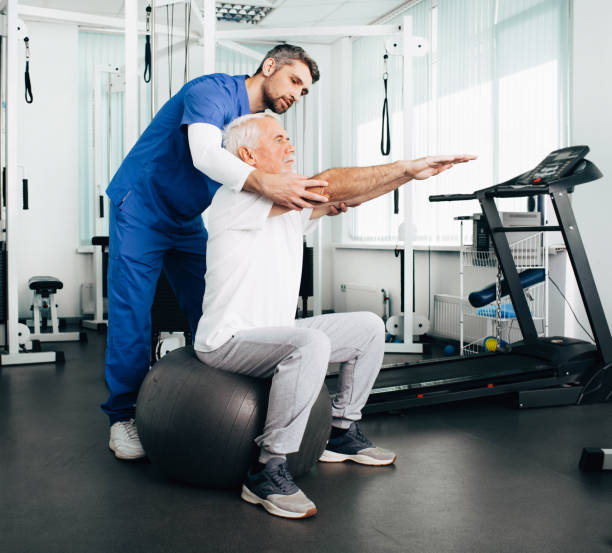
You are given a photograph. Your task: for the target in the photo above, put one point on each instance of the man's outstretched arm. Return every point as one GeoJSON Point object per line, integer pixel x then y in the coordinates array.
{"type": "Point", "coordinates": [355, 185]}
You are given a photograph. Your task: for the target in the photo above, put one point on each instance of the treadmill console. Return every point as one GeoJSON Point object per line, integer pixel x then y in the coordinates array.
{"type": "Point", "coordinates": [558, 164]}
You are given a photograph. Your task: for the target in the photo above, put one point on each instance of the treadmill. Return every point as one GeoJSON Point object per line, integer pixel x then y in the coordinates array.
{"type": "Point", "coordinates": [543, 371]}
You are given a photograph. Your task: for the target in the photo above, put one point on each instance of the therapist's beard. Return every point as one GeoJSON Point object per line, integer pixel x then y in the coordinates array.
{"type": "Point", "coordinates": [274, 104]}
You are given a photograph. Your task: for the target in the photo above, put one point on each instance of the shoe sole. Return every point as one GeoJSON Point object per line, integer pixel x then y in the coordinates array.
{"type": "Point", "coordinates": [125, 456]}
{"type": "Point", "coordinates": [333, 457]}
{"type": "Point", "coordinates": [250, 497]}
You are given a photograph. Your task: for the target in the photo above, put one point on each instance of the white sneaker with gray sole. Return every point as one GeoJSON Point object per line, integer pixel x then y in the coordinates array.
{"type": "Point", "coordinates": [125, 442]}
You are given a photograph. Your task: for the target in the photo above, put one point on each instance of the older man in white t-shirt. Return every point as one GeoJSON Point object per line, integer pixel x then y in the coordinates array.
{"type": "Point", "coordinates": [248, 326]}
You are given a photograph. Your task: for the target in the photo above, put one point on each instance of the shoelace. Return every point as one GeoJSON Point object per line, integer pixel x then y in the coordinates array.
{"type": "Point", "coordinates": [361, 437]}
{"type": "Point", "coordinates": [130, 429]}
{"type": "Point", "coordinates": [282, 478]}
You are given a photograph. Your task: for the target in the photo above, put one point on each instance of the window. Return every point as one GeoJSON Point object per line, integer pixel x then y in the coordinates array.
{"type": "Point", "coordinates": [101, 150]}
{"type": "Point", "coordinates": [495, 83]}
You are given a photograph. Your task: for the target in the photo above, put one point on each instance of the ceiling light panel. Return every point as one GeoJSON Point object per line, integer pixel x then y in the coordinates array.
{"type": "Point", "coordinates": [241, 13]}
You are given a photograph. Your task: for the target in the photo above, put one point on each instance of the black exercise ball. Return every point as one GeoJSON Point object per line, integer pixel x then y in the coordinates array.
{"type": "Point", "coordinates": [197, 424]}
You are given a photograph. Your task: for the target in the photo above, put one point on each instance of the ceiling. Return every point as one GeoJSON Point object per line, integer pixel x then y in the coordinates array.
{"type": "Point", "coordinates": [286, 13]}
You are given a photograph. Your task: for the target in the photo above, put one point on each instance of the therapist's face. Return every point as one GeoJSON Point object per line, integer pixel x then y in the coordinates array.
{"type": "Point", "coordinates": [274, 152]}
{"type": "Point", "coordinates": [285, 85]}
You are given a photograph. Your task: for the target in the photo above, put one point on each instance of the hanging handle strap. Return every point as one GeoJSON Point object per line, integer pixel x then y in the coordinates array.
{"type": "Point", "coordinates": [147, 56]}
{"type": "Point", "coordinates": [385, 137]}
{"type": "Point", "coordinates": [28, 83]}
{"type": "Point", "coordinates": [147, 70]}
{"type": "Point", "coordinates": [385, 145]}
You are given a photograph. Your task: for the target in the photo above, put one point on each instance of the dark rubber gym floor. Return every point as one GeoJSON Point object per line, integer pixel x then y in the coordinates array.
{"type": "Point", "coordinates": [470, 477]}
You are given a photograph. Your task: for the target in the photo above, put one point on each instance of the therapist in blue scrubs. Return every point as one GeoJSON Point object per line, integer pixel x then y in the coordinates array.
{"type": "Point", "coordinates": [157, 198]}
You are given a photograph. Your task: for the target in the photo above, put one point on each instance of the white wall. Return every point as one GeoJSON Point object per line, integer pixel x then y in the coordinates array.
{"type": "Point", "coordinates": [592, 125]}
{"type": "Point", "coordinates": [48, 150]}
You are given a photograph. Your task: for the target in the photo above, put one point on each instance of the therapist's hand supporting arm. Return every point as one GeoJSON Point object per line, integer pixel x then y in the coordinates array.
{"type": "Point", "coordinates": [286, 189]}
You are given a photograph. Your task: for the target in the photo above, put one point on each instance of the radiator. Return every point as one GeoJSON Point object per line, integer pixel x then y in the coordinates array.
{"type": "Point", "coordinates": [360, 297]}
{"type": "Point", "coordinates": [447, 312]}
{"type": "Point", "coordinates": [475, 328]}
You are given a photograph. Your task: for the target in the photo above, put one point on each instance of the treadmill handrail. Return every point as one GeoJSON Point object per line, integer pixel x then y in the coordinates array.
{"type": "Point", "coordinates": [451, 197]}
{"type": "Point", "coordinates": [587, 171]}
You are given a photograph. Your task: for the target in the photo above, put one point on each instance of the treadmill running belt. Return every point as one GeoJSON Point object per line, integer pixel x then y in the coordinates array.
{"type": "Point", "coordinates": [428, 374]}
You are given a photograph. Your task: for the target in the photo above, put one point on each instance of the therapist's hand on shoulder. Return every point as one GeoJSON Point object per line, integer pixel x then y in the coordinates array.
{"type": "Point", "coordinates": [287, 189]}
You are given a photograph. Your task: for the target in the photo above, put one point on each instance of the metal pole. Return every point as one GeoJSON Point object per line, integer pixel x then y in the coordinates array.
{"type": "Point", "coordinates": [461, 265]}
{"type": "Point", "coordinates": [1, 123]}
{"type": "Point", "coordinates": [407, 100]}
{"type": "Point", "coordinates": [345, 108]}
{"type": "Point", "coordinates": [109, 130]}
{"type": "Point", "coordinates": [317, 300]}
{"type": "Point", "coordinates": [209, 36]}
{"type": "Point", "coordinates": [11, 176]}
{"type": "Point", "coordinates": [131, 74]}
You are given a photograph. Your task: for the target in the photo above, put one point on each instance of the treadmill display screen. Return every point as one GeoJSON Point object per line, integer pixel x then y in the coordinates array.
{"type": "Point", "coordinates": [557, 165]}
{"type": "Point", "coordinates": [561, 155]}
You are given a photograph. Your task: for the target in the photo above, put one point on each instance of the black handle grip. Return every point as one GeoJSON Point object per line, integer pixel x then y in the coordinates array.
{"type": "Point", "coordinates": [28, 84]}
{"type": "Point", "coordinates": [101, 207]}
{"type": "Point", "coordinates": [452, 197]}
{"type": "Point", "coordinates": [147, 70]}
{"type": "Point", "coordinates": [26, 202]}
{"type": "Point", "coordinates": [396, 201]}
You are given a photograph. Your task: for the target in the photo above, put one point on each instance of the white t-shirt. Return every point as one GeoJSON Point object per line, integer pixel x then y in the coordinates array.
{"type": "Point", "coordinates": [253, 266]}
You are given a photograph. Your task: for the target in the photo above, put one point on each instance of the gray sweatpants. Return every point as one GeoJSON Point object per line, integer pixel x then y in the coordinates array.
{"type": "Point", "coordinates": [297, 359]}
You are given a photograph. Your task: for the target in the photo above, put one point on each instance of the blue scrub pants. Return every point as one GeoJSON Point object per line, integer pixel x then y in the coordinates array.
{"type": "Point", "coordinates": [140, 245]}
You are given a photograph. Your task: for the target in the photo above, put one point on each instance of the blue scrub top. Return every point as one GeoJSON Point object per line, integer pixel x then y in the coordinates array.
{"type": "Point", "coordinates": [159, 167]}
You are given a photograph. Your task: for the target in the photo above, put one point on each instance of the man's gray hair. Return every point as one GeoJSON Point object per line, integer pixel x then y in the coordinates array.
{"type": "Point", "coordinates": [243, 131]}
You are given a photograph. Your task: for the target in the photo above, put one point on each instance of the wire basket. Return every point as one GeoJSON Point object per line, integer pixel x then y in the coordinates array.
{"type": "Point", "coordinates": [528, 253]}
{"type": "Point", "coordinates": [473, 348]}
{"type": "Point", "coordinates": [478, 258]}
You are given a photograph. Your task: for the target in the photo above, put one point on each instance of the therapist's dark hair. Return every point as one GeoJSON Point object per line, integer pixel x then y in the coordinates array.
{"type": "Point", "coordinates": [285, 54]}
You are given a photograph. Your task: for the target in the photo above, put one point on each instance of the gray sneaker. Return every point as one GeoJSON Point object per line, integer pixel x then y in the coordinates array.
{"type": "Point", "coordinates": [354, 446]}
{"type": "Point", "coordinates": [274, 489]}
{"type": "Point", "coordinates": [125, 442]}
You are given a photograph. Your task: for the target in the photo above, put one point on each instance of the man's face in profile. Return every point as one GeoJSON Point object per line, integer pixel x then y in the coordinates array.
{"type": "Point", "coordinates": [274, 152]}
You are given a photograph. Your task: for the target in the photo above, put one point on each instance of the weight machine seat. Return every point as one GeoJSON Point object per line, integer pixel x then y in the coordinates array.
{"type": "Point", "coordinates": [45, 285]}
{"type": "Point", "coordinates": [100, 241]}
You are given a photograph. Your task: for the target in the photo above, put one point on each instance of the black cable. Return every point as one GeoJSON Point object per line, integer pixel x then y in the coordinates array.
{"type": "Point", "coordinates": [147, 56]}
{"type": "Point", "coordinates": [187, 37]}
{"type": "Point", "coordinates": [573, 312]}
{"type": "Point", "coordinates": [595, 377]}
{"type": "Point", "coordinates": [385, 149]}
